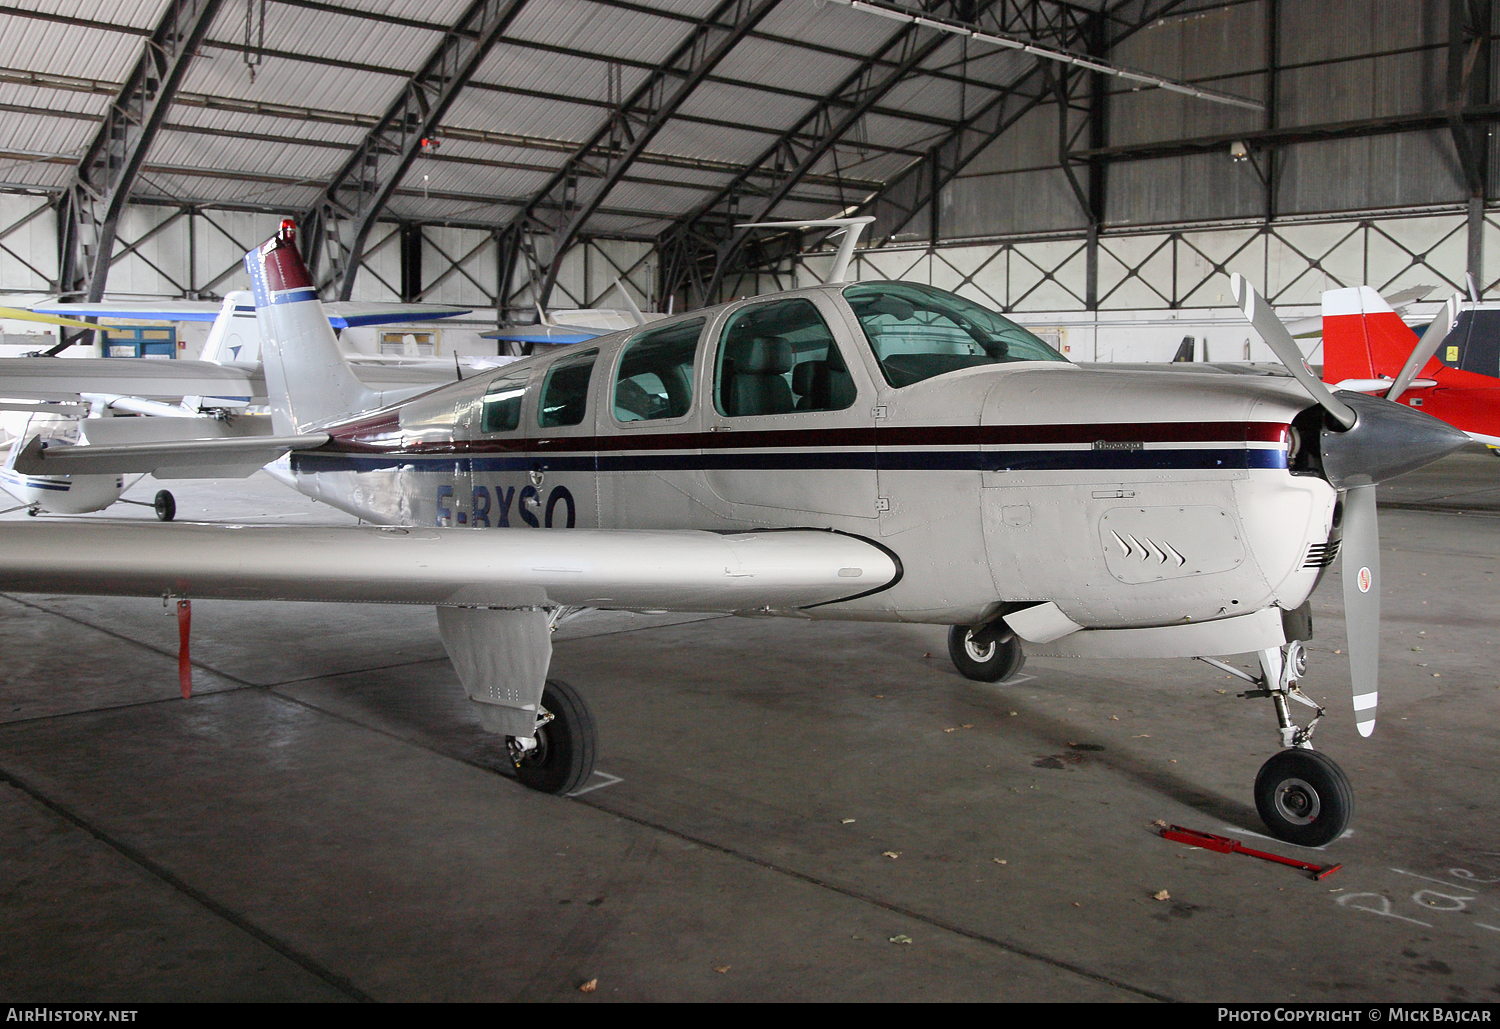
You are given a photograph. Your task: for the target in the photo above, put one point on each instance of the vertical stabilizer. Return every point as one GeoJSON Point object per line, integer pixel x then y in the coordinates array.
{"type": "Point", "coordinates": [235, 336]}
{"type": "Point", "coordinates": [308, 380]}
{"type": "Point", "coordinates": [1363, 338]}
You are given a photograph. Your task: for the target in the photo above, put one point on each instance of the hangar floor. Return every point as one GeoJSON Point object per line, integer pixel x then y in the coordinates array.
{"type": "Point", "coordinates": [786, 805]}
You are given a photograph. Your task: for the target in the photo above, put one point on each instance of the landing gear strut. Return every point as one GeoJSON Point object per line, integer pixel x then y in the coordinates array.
{"type": "Point", "coordinates": [1302, 796]}
{"type": "Point", "coordinates": [560, 757]}
{"type": "Point", "coordinates": [985, 653]}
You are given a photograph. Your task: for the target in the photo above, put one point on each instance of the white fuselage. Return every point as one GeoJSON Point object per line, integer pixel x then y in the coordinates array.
{"type": "Point", "coordinates": [1128, 499]}
{"type": "Point", "coordinates": [60, 494]}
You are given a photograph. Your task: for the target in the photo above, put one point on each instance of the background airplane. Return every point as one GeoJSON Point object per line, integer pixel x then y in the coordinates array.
{"type": "Point", "coordinates": [73, 402]}
{"type": "Point", "coordinates": [875, 451]}
{"type": "Point", "coordinates": [1451, 373]}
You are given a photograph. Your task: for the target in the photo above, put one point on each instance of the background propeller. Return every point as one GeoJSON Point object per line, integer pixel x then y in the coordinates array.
{"type": "Point", "coordinates": [1425, 348]}
{"type": "Point", "coordinates": [1364, 441]}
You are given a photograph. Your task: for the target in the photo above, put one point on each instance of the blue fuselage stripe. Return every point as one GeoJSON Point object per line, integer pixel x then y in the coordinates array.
{"type": "Point", "coordinates": [889, 460]}
{"type": "Point", "coordinates": [27, 482]}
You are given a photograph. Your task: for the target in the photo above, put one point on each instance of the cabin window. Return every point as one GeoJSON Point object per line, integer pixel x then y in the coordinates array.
{"type": "Point", "coordinates": [565, 393]}
{"type": "Point", "coordinates": [780, 358]}
{"type": "Point", "coordinates": [656, 374]}
{"type": "Point", "coordinates": [500, 409]}
{"type": "Point", "coordinates": [917, 332]}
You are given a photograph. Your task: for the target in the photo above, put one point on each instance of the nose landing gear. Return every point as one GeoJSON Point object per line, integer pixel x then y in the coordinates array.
{"type": "Point", "coordinates": [1302, 796]}
{"type": "Point", "coordinates": [986, 653]}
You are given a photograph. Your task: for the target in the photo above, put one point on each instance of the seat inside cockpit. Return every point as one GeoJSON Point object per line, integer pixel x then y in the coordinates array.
{"type": "Point", "coordinates": [780, 358]}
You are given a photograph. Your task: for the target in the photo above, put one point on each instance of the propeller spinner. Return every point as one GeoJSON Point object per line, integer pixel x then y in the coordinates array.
{"type": "Point", "coordinates": [1364, 441]}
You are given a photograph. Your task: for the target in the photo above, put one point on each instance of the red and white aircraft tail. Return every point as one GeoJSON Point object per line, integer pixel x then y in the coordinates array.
{"type": "Point", "coordinates": [1365, 342]}
{"type": "Point", "coordinates": [309, 381]}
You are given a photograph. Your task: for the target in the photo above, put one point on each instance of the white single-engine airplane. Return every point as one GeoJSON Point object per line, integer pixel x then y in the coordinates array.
{"type": "Point", "coordinates": [880, 451]}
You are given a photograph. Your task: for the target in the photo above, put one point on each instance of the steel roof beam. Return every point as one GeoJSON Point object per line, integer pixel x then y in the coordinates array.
{"type": "Point", "coordinates": [359, 190]}
{"type": "Point", "coordinates": [312, 114]}
{"type": "Point", "coordinates": [952, 154]}
{"type": "Point", "coordinates": [601, 163]}
{"type": "Point", "coordinates": [855, 96]}
{"type": "Point", "coordinates": [90, 207]}
{"type": "Point", "coordinates": [562, 51]}
{"type": "Point", "coordinates": [622, 5]}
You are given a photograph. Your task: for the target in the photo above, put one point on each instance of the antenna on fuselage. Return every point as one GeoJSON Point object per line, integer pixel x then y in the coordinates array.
{"type": "Point", "coordinates": [852, 228]}
{"type": "Point", "coordinates": [630, 304]}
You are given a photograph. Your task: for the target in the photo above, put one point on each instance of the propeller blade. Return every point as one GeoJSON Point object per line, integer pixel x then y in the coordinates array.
{"type": "Point", "coordinates": [1360, 557]}
{"type": "Point", "coordinates": [1270, 329]}
{"type": "Point", "coordinates": [1425, 348]}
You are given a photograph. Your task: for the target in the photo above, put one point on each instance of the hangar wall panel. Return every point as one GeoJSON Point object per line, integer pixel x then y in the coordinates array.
{"type": "Point", "coordinates": [1291, 263]}
{"type": "Point", "coordinates": [28, 244]}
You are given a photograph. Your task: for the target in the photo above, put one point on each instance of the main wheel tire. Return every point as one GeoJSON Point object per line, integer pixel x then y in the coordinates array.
{"type": "Point", "coordinates": [564, 753]}
{"type": "Point", "coordinates": [1304, 797]}
{"type": "Point", "coordinates": [165, 506]}
{"type": "Point", "coordinates": [989, 653]}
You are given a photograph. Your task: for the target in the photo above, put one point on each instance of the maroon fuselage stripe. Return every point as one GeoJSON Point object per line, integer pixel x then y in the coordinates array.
{"type": "Point", "coordinates": [383, 435]}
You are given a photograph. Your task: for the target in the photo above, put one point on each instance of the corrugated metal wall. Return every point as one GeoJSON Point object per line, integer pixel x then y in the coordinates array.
{"type": "Point", "coordinates": [1017, 186]}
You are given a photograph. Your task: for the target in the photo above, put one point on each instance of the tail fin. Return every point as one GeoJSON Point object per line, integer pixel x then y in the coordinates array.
{"type": "Point", "coordinates": [308, 380]}
{"type": "Point", "coordinates": [1363, 338]}
{"type": "Point", "coordinates": [235, 335]}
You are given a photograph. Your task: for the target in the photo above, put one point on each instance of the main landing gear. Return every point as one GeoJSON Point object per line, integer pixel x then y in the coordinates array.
{"type": "Point", "coordinates": [560, 757]}
{"type": "Point", "coordinates": [163, 504]}
{"type": "Point", "coordinates": [985, 653]}
{"type": "Point", "coordinates": [1302, 796]}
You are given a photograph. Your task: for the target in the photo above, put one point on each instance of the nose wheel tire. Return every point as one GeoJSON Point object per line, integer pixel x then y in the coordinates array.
{"type": "Point", "coordinates": [1304, 797]}
{"type": "Point", "coordinates": [990, 653]}
{"type": "Point", "coordinates": [563, 757]}
{"type": "Point", "coordinates": [165, 506]}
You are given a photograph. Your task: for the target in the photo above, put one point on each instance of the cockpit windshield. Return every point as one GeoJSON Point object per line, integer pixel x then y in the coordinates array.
{"type": "Point", "coordinates": [918, 331]}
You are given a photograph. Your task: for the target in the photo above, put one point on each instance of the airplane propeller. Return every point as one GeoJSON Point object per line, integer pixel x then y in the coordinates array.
{"type": "Point", "coordinates": [1276, 336]}
{"type": "Point", "coordinates": [1364, 441]}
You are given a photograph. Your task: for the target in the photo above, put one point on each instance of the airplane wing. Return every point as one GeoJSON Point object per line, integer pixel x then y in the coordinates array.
{"type": "Point", "coordinates": [676, 570]}
{"type": "Point", "coordinates": [164, 310]}
{"type": "Point", "coordinates": [18, 315]}
{"type": "Point", "coordinates": [554, 334]}
{"type": "Point", "coordinates": [230, 457]}
{"type": "Point", "coordinates": [53, 378]}
{"type": "Point", "coordinates": [341, 314]}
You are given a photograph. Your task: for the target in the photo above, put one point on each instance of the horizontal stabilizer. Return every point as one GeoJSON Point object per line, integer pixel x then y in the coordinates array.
{"type": "Point", "coordinates": [232, 457]}
{"type": "Point", "coordinates": [673, 570]}
{"type": "Point", "coordinates": [54, 378]}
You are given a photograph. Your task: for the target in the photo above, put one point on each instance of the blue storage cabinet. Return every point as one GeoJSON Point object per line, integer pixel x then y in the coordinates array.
{"type": "Point", "coordinates": [154, 341]}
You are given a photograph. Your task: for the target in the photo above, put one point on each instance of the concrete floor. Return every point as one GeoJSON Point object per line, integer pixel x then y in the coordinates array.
{"type": "Point", "coordinates": [324, 821]}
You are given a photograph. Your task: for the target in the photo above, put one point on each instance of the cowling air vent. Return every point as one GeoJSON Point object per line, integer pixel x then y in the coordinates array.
{"type": "Point", "coordinates": [1148, 544]}
{"type": "Point", "coordinates": [1321, 555]}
